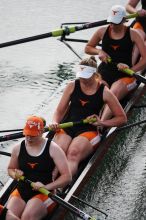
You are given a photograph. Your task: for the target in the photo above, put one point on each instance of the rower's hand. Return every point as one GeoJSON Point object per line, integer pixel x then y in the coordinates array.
{"type": "Point", "coordinates": [103, 56]}
{"type": "Point", "coordinates": [54, 126]}
{"type": "Point", "coordinates": [37, 185]}
{"type": "Point", "coordinates": [97, 122]}
{"type": "Point", "coordinates": [141, 13]}
{"type": "Point", "coordinates": [122, 66]}
{"type": "Point", "coordinates": [17, 174]}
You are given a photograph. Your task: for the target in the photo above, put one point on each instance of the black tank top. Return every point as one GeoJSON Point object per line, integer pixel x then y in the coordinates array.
{"type": "Point", "coordinates": [120, 51]}
{"type": "Point", "coordinates": [142, 20]}
{"type": "Point", "coordinates": [82, 105]}
{"type": "Point", "coordinates": [35, 168]}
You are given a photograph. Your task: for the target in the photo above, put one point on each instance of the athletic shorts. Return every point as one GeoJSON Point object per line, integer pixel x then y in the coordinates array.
{"type": "Point", "coordinates": [49, 203]}
{"type": "Point", "coordinates": [130, 82]}
{"type": "Point", "coordinates": [1, 209]}
{"type": "Point", "coordinates": [93, 136]}
{"type": "Point", "coordinates": [137, 25]}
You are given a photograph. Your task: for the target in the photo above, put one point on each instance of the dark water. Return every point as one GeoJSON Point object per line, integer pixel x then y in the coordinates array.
{"type": "Point", "coordinates": [118, 185]}
{"type": "Point", "coordinates": [32, 78]}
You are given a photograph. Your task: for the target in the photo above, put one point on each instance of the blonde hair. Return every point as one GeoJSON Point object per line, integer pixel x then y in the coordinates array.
{"type": "Point", "coordinates": [91, 61]}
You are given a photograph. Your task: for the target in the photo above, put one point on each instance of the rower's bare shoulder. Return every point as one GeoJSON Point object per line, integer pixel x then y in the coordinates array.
{"type": "Point", "coordinates": [70, 87]}
{"type": "Point", "coordinates": [107, 94]}
{"type": "Point", "coordinates": [16, 149]}
{"type": "Point", "coordinates": [54, 149]}
{"type": "Point", "coordinates": [101, 31]}
{"type": "Point", "coordinates": [135, 35]}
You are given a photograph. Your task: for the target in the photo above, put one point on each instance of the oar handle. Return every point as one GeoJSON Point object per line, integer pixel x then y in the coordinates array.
{"type": "Point", "coordinates": [71, 124]}
{"type": "Point", "coordinates": [129, 72]}
{"type": "Point", "coordinates": [41, 190]}
{"type": "Point", "coordinates": [126, 70]}
{"type": "Point", "coordinates": [134, 15]}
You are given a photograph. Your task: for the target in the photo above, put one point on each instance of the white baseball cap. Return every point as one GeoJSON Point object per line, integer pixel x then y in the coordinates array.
{"type": "Point", "coordinates": [116, 15]}
{"type": "Point", "coordinates": [85, 71]}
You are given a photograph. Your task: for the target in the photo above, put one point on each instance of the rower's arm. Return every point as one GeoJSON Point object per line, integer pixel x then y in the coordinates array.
{"type": "Point", "coordinates": [63, 104]}
{"type": "Point", "coordinates": [131, 6]}
{"type": "Point", "coordinates": [13, 167]}
{"type": "Point", "coordinates": [91, 47]}
{"type": "Point", "coordinates": [61, 163]}
{"type": "Point", "coordinates": [119, 116]}
{"type": "Point", "coordinates": [138, 40]}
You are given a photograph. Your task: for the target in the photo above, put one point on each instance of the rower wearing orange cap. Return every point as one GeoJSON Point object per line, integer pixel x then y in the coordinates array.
{"type": "Point", "coordinates": [35, 157]}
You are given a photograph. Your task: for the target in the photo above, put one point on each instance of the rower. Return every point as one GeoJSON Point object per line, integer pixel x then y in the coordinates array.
{"type": "Point", "coordinates": [35, 157]}
{"type": "Point", "coordinates": [82, 98]}
{"type": "Point", "coordinates": [117, 43]}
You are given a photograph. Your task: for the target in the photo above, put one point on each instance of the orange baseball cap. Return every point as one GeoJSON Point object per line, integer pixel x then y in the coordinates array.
{"type": "Point", "coordinates": [34, 126]}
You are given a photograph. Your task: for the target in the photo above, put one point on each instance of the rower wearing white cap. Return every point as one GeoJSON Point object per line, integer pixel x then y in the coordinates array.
{"type": "Point", "coordinates": [84, 97]}
{"type": "Point", "coordinates": [117, 43]}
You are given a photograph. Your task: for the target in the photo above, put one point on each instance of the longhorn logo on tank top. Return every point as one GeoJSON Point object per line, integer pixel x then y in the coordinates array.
{"type": "Point", "coordinates": [115, 47]}
{"type": "Point", "coordinates": [32, 165]}
{"type": "Point", "coordinates": [83, 103]}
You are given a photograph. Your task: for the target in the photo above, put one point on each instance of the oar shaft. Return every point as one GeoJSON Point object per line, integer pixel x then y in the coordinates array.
{"type": "Point", "coordinates": [131, 125]}
{"type": "Point", "coordinates": [85, 203]}
{"type": "Point", "coordinates": [54, 33]}
{"type": "Point", "coordinates": [25, 40]}
{"type": "Point", "coordinates": [11, 136]}
{"type": "Point", "coordinates": [60, 32]}
{"type": "Point", "coordinates": [5, 153]}
{"type": "Point", "coordinates": [60, 201]}
{"type": "Point", "coordinates": [12, 130]}
{"type": "Point", "coordinates": [100, 23]}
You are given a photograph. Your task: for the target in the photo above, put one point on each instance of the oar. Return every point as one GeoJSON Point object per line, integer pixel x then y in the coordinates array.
{"type": "Point", "coordinates": [64, 125]}
{"type": "Point", "coordinates": [61, 202]}
{"type": "Point", "coordinates": [131, 125]}
{"type": "Point", "coordinates": [139, 106]}
{"type": "Point", "coordinates": [5, 153]}
{"type": "Point", "coordinates": [129, 72]}
{"type": "Point", "coordinates": [60, 32]}
{"type": "Point", "coordinates": [89, 205]}
{"type": "Point", "coordinates": [118, 129]}
{"type": "Point", "coordinates": [12, 130]}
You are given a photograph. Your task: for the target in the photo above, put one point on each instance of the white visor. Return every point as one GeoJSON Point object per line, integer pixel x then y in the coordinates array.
{"type": "Point", "coordinates": [85, 71]}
